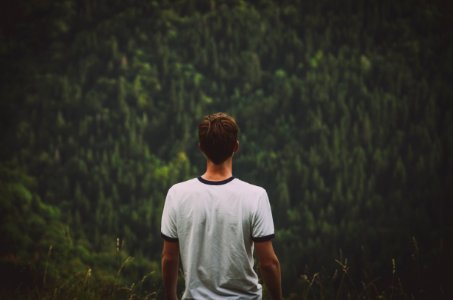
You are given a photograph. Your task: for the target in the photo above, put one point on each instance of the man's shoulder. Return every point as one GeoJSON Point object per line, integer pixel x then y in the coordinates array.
{"type": "Point", "coordinates": [236, 184]}
{"type": "Point", "coordinates": [249, 186]}
{"type": "Point", "coordinates": [184, 185]}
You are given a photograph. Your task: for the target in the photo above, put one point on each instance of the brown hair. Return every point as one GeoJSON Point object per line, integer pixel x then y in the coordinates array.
{"type": "Point", "coordinates": [217, 134]}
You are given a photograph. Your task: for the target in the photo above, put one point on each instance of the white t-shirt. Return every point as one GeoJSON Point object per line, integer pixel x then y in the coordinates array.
{"type": "Point", "coordinates": [216, 223]}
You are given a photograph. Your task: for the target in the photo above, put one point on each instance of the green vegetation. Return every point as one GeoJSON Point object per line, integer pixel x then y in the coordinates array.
{"type": "Point", "coordinates": [346, 119]}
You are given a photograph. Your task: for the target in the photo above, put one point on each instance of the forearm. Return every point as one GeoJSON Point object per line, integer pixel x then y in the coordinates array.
{"type": "Point", "coordinates": [170, 277]}
{"type": "Point", "coordinates": [272, 279]}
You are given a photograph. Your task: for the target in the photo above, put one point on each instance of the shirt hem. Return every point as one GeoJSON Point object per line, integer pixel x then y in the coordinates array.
{"type": "Point", "coordinates": [263, 238]}
{"type": "Point", "coordinates": [167, 238]}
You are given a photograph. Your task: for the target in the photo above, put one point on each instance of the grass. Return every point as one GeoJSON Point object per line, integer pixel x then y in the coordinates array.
{"type": "Point", "coordinates": [417, 277]}
{"type": "Point", "coordinates": [345, 282]}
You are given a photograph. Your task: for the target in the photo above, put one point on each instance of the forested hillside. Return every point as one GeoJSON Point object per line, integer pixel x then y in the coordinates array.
{"type": "Point", "coordinates": [346, 117]}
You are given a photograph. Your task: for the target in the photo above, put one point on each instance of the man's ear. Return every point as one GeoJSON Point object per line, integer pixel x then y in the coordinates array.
{"type": "Point", "coordinates": [236, 147]}
{"type": "Point", "coordinates": [202, 152]}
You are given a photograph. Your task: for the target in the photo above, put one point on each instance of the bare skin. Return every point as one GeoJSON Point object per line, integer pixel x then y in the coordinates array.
{"type": "Point", "coordinates": [170, 265]}
{"type": "Point", "coordinates": [270, 268]}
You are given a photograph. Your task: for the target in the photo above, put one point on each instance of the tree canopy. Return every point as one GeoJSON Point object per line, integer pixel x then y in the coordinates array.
{"type": "Point", "coordinates": [345, 118]}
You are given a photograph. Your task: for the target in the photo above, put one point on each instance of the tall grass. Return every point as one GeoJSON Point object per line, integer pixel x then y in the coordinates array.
{"type": "Point", "coordinates": [345, 282]}
{"type": "Point", "coordinates": [413, 277]}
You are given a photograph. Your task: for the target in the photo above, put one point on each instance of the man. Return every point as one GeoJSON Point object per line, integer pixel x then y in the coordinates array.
{"type": "Point", "coordinates": [214, 222]}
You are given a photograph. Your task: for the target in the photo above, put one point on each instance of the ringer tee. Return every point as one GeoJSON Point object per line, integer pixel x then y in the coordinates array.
{"type": "Point", "coordinates": [216, 223]}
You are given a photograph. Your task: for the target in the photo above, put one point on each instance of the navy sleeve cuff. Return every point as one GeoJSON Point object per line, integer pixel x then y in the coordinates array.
{"type": "Point", "coordinates": [167, 238]}
{"type": "Point", "coordinates": [263, 238]}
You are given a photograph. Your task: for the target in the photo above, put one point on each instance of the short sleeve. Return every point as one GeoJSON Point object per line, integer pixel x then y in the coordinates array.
{"type": "Point", "coordinates": [168, 223]}
{"type": "Point", "coordinates": [262, 222]}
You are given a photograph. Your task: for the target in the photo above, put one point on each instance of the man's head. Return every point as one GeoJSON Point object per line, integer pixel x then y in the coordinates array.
{"type": "Point", "coordinates": [217, 134]}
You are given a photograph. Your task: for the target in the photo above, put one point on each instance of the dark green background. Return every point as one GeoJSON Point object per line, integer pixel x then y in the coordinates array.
{"type": "Point", "coordinates": [346, 117]}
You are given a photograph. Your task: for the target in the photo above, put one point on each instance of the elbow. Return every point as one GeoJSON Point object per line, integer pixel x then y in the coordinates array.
{"type": "Point", "coordinates": [270, 265]}
{"type": "Point", "coordinates": [169, 259]}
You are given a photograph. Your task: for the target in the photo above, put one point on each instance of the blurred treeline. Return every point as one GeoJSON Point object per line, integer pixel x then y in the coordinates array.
{"type": "Point", "coordinates": [346, 119]}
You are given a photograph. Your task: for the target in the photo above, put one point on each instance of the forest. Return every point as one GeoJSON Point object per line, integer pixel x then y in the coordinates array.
{"type": "Point", "coordinates": [346, 119]}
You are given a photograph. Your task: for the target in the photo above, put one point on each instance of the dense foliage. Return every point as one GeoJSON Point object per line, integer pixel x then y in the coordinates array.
{"type": "Point", "coordinates": [345, 114]}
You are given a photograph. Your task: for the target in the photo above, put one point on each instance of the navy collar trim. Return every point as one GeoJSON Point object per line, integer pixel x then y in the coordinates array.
{"type": "Point", "coordinates": [202, 180]}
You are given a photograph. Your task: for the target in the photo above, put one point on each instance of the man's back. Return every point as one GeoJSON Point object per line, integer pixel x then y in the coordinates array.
{"type": "Point", "coordinates": [216, 223]}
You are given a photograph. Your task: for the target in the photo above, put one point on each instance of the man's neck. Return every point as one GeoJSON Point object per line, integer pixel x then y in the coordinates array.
{"type": "Point", "coordinates": [218, 172]}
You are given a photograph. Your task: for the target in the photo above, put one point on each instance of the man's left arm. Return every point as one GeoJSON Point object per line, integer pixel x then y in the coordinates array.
{"type": "Point", "coordinates": [270, 268]}
{"type": "Point", "coordinates": [170, 264]}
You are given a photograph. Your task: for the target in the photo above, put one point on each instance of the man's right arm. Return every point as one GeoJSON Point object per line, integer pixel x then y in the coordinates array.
{"type": "Point", "coordinates": [270, 268]}
{"type": "Point", "coordinates": [170, 263]}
